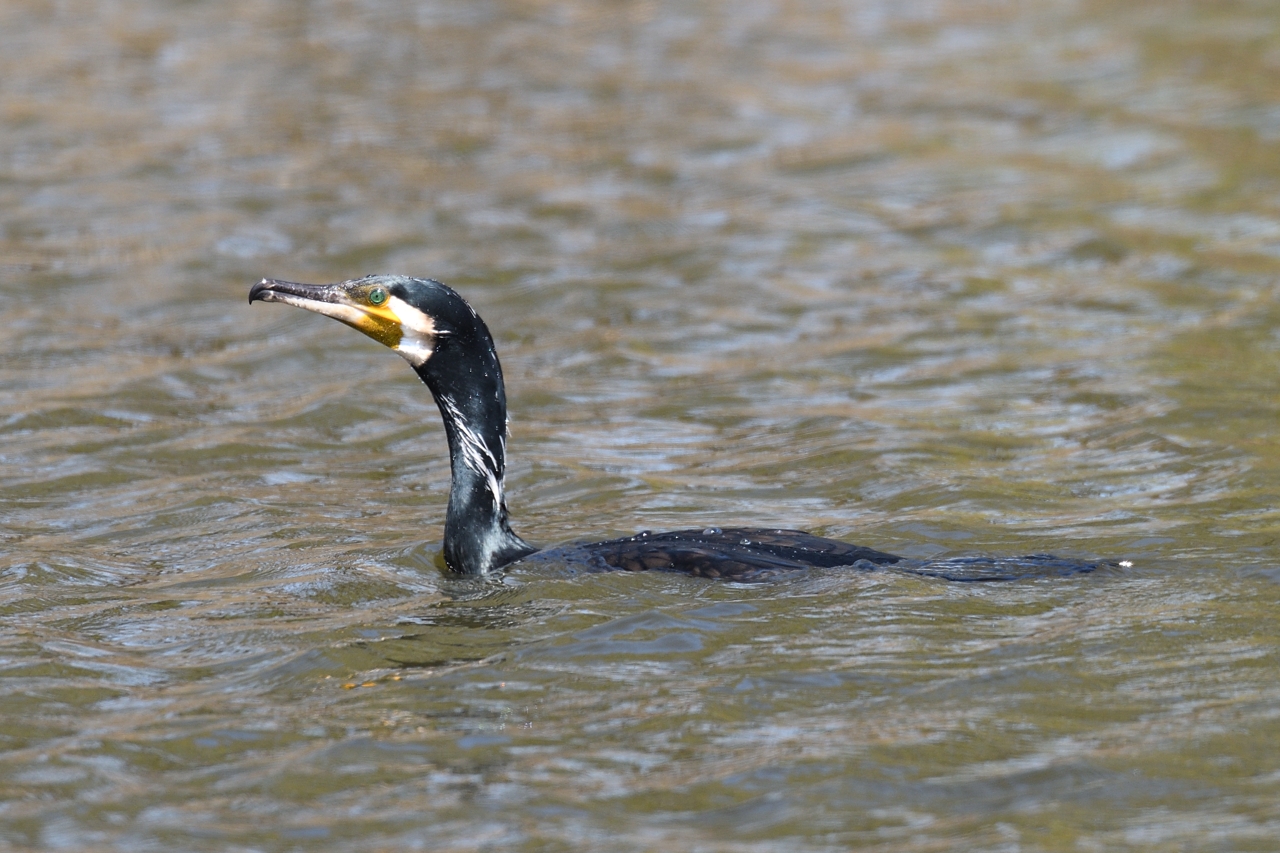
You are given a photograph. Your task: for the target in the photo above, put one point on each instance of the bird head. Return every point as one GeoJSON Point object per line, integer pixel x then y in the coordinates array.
{"type": "Point", "coordinates": [409, 315]}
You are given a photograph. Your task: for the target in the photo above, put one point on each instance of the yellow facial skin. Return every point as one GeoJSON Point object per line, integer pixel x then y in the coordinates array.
{"type": "Point", "coordinates": [375, 315]}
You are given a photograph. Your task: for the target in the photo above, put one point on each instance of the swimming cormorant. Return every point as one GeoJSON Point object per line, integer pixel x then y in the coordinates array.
{"type": "Point", "coordinates": [451, 350]}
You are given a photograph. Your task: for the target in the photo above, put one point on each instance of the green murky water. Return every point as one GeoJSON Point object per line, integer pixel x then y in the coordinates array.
{"type": "Point", "coordinates": [937, 277]}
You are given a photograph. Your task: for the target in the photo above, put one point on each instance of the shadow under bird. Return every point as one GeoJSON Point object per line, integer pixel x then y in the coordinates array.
{"type": "Point", "coordinates": [451, 350]}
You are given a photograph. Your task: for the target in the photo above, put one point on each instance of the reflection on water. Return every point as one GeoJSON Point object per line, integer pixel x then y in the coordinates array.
{"type": "Point", "coordinates": [940, 278]}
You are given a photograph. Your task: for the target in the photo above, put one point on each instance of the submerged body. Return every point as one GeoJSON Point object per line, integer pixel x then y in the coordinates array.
{"type": "Point", "coordinates": [451, 350]}
{"type": "Point", "coordinates": [731, 553]}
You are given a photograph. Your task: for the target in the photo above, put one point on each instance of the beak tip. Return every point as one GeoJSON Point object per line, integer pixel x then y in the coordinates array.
{"type": "Point", "coordinates": [255, 292]}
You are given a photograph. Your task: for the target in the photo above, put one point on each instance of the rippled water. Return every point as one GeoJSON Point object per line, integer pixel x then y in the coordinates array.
{"type": "Point", "coordinates": [937, 277]}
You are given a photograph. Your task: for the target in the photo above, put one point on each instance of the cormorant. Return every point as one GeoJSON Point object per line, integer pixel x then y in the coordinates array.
{"type": "Point", "coordinates": [451, 350]}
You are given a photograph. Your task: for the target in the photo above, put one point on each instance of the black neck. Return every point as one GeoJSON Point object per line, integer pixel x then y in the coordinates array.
{"type": "Point", "coordinates": [466, 380]}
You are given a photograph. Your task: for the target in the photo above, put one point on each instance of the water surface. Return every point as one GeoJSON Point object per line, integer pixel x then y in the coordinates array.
{"type": "Point", "coordinates": [940, 278]}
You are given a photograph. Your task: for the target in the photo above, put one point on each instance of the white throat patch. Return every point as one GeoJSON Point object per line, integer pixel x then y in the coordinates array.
{"type": "Point", "coordinates": [417, 332]}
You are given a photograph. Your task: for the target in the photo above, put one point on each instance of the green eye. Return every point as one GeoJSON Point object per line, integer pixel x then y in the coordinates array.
{"type": "Point", "coordinates": [377, 296]}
